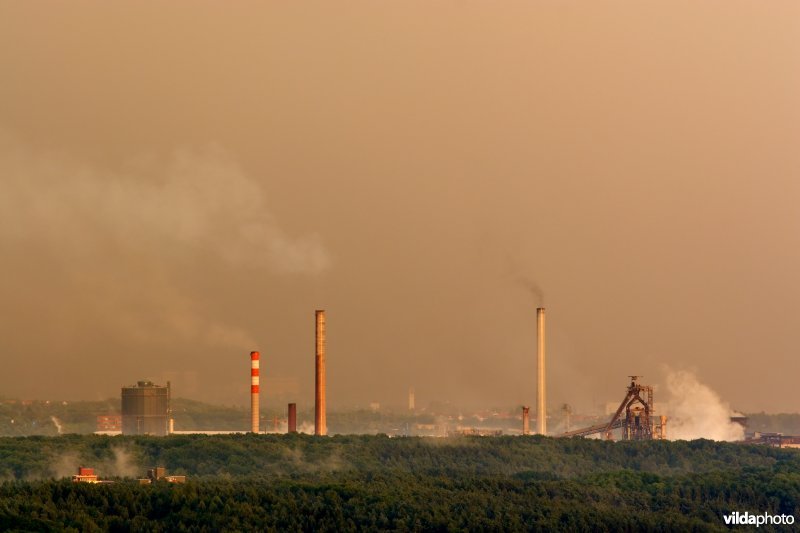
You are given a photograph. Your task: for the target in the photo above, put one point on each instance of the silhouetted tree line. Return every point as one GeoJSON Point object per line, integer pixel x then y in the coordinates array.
{"type": "Point", "coordinates": [618, 501]}
{"type": "Point", "coordinates": [271, 455]}
{"type": "Point", "coordinates": [303, 483]}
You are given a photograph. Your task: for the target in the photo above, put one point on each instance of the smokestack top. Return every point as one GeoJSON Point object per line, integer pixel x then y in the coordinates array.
{"type": "Point", "coordinates": [254, 356]}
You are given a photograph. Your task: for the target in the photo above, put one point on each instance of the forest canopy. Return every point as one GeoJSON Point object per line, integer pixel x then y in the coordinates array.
{"type": "Point", "coordinates": [301, 483]}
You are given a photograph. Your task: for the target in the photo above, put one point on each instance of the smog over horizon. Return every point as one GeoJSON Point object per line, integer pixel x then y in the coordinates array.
{"type": "Point", "coordinates": [176, 195]}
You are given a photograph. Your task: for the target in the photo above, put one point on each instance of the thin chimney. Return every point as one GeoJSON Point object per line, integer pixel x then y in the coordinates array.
{"type": "Point", "coordinates": [292, 418]}
{"type": "Point", "coordinates": [320, 421]}
{"type": "Point", "coordinates": [541, 392]}
{"type": "Point", "coordinates": [526, 420]}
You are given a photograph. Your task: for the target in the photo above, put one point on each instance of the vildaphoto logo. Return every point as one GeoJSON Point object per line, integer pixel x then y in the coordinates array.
{"type": "Point", "coordinates": [748, 519]}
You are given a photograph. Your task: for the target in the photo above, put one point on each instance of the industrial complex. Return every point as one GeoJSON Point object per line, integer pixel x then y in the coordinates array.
{"type": "Point", "coordinates": [146, 407]}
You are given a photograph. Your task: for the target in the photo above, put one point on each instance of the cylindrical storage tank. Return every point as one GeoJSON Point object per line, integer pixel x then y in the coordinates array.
{"type": "Point", "coordinates": [145, 409]}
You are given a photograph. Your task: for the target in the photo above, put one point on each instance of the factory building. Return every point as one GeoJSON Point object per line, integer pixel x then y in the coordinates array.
{"type": "Point", "coordinates": [159, 473]}
{"type": "Point", "coordinates": [109, 423]}
{"type": "Point", "coordinates": [85, 475]}
{"type": "Point", "coordinates": [146, 409]}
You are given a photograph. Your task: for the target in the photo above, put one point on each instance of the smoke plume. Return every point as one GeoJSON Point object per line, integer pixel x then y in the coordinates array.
{"type": "Point", "coordinates": [695, 411]}
{"type": "Point", "coordinates": [60, 466]}
{"type": "Point", "coordinates": [57, 423]}
{"type": "Point", "coordinates": [534, 289]}
{"type": "Point", "coordinates": [124, 243]}
{"type": "Point", "coordinates": [122, 464]}
{"type": "Point", "coordinates": [192, 199]}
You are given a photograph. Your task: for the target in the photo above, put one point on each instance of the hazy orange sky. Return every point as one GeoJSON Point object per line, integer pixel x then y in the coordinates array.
{"type": "Point", "coordinates": [182, 182]}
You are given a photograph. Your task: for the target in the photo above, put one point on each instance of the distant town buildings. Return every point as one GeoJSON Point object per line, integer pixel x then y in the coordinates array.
{"type": "Point", "coordinates": [85, 475]}
{"type": "Point", "coordinates": [159, 473]}
{"type": "Point", "coordinates": [109, 423]}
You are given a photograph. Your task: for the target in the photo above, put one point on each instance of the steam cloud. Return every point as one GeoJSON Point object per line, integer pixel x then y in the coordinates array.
{"type": "Point", "coordinates": [57, 424]}
{"type": "Point", "coordinates": [64, 465]}
{"type": "Point", "coordinates": [697, 412]}
{"type": "Point", "coordinates": [120, 463]}
{"type": "Point", "coordinates": [123, 464]}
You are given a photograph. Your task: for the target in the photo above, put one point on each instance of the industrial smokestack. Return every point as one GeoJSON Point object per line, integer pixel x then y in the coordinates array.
{"type": "Point", "coordinates": [320, 422]}
{"type": "Point", "coordinates": [526, 420]}
{"type": "Point", "coordinates": [292, 418]}
{"type": "Point", "coordinates": [411, 399]}
{"type": "Point", "coordinates": [254, 356]}
{"type": "Point", "coordinates": [663, 427]}
{"type": "Point", "coordinates": [541, 392]}
{"type": "Point", "coordinates": [170, 422]}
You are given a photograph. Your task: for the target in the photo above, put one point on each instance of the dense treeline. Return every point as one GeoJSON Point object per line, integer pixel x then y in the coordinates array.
{"type": "Point", "coordinates": [300, 482]}
{"type": "Point", "coordinates": [620, 501]}
{"type": "Point", "coordinates": [271, 455]}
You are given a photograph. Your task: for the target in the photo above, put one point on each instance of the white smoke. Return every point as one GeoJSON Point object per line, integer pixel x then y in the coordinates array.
{"type": "Point", "coordinates": [57, 423]}
{"type": "Point", "coordinates": [123, 464]}
{"type": "Point", "coordinates": [61, 466]}
{"type": "Point", "coordinates": [694, 411]}
{"type": "Point", "coordinates": [307, 428]}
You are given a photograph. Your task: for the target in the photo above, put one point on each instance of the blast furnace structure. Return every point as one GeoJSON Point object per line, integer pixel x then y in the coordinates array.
{"type": "Point", "coordinates": [635, 417]}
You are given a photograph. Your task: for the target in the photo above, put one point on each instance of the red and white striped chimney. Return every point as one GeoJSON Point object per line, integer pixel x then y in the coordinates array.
{"type": "Point", "coordinates": [254, 391]}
